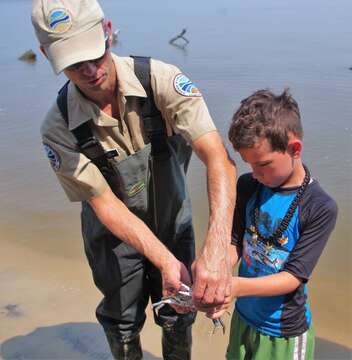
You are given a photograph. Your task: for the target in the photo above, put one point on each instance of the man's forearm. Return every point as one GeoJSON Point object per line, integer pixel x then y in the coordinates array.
{"type": "Point", "coordinates": [221, 185]}
{"type": "Point", "coordinates": [130, 229]}
{"type": "Point", "coordinates": [221, 176]}
{"type": "Point", "coordinates": [212, 270]}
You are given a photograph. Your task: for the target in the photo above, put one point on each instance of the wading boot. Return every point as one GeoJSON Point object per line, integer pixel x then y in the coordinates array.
{"type": "Point", "coordinates": [177, 344]}
{"type": "Point", "coordinates": [125, 350]}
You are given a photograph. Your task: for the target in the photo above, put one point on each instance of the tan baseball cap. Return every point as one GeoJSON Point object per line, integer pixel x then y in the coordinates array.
{"type": "Point", "coordinates": [69, 30]}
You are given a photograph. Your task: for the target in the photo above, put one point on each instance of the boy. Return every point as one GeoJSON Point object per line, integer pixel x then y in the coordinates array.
{"type": "Point", "coordinates": [282, 221]}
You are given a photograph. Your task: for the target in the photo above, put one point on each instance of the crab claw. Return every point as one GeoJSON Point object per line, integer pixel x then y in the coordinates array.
{"type": "Point", "coordinates": [218, 323]}
{"type": "Point", "coordinates": [185, 288]}
{"type": "Point", "coordinates": [157, 306]}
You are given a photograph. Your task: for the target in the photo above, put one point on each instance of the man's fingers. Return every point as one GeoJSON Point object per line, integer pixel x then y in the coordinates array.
{"type": "Point", "coordinates": [209, 295]}
{"type": "Point", "coordinates": [199, 285]}
{"type": "Point", "coordinates": [220, 293]}
{"type": "Point", "coordinates": [206, 290]}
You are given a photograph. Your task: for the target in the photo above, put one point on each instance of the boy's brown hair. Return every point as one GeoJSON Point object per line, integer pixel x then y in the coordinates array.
{"type": "Point", "coordinates": [266, 115]}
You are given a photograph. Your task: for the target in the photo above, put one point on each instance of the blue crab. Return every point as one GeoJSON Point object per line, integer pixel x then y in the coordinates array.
{"type": "Point", "coordinates": [184, 299]}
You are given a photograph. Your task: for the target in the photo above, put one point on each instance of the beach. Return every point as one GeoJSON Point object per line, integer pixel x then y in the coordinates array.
{"type": "Point", "coordinates": [47, 312]}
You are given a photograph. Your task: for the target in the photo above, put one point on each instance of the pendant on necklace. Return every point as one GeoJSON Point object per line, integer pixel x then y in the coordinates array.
{"type": "Point", "coordinates": [253, 233]}
{"type": "Point", "coordinates": [283, 241]}
{"type": "Point", "coordinates": [268, 247]}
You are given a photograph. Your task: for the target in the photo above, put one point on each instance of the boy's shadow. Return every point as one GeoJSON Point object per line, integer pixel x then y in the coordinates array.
{"type": "Point", "coordinates": [64, 341]}
{"type": "Point", "coordinates": [328, 350]}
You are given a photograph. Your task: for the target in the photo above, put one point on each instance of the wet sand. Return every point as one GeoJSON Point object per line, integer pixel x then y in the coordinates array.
{"type": "Point", "coordinates": [47, 312]}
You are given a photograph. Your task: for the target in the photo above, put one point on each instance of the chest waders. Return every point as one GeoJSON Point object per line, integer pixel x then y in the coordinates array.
{"type": "Point", "coordinates": [151, 183]}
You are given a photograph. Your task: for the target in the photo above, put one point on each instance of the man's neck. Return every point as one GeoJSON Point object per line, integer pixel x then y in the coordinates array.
{"type": "Point", "coordinates": [103, 97]}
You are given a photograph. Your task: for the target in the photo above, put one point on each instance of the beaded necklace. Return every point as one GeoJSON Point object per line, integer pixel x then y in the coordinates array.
{"type": "Point", "coordinates": [276, 237]}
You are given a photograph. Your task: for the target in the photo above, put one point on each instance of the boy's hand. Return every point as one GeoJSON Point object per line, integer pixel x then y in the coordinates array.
{"type": "Point", "coordinates": [216, 314]}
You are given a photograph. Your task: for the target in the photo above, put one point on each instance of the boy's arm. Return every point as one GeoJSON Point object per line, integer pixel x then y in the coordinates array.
{"type": "Point", "coordinates": [317, 220]}
{"type": "Point", "coordinates": [271, 285]}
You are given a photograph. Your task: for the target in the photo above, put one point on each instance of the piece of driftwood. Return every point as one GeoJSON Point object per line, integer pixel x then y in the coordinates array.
{"type": "Point", "coordinates": [28, 56]}
{"type": "Point", "coordinates": [180, 36]}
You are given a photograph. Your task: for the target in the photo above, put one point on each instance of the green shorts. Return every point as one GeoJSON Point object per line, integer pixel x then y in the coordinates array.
{"type": "Point", "coordinates": [248, 344]}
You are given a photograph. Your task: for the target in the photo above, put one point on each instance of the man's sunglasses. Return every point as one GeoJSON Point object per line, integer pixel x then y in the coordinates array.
{"type": "Point", "coordinates": [96, 62]}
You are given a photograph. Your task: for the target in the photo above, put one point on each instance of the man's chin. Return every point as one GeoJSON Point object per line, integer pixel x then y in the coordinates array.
{"type": "Point", "coordinates": [97, 82]}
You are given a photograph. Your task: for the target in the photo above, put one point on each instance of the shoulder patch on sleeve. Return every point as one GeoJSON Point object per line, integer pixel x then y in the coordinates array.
{"type": "Point", "coordinates": [185, 87]}
{"type": "Point", "coordinates": [53, 157]}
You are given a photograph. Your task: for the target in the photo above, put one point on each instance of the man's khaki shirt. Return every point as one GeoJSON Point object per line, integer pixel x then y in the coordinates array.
{"type": "Point", "coordinates": [185, 113]}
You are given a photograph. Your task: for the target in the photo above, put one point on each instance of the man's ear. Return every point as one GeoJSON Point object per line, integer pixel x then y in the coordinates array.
{"type": "Point", "coordinates": [108, 27]}
{"type": "Point", "coordinates": [295, 147]}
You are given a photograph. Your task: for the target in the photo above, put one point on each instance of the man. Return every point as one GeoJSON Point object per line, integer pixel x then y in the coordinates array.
{"type": "Point", "coordinates": [117, 138]}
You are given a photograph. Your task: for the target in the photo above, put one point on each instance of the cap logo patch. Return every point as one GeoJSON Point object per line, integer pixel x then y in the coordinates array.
{"type": "Point", "coordinates": [53, 157]}
{"type": "Point", "coordinates": [59, 20]}
{"type": "Point", "coordinates": [185, 87]}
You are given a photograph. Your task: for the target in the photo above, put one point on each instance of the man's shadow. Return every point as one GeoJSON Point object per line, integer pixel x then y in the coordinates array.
{"type": "Point", "coordinates": [65, 341]}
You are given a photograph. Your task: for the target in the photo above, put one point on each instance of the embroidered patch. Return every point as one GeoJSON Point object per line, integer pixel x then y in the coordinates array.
{"type": "Point", "coordinates": [136, 188]}
{"type": "Point", "coordinates": [53, 157]}
{"type": "Point", "coordinates": [59, 20]}
{"type": "Point", "coordinates": [185, 87]}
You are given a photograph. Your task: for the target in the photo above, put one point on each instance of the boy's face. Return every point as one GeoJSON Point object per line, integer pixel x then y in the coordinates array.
{"type": "Point", "coordinates": [271, 168]}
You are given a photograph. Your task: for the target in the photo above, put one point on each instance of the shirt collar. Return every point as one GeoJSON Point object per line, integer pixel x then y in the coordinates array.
{"type": "Point", "coordinates": [128, 83]}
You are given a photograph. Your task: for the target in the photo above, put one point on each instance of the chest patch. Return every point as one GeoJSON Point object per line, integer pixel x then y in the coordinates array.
{"type": "Point", "coordinates": [185, 87]}
{"type": "Point", "coordinates": [136, 188]}
{"type": "Point", "coordinates": [53, 157]}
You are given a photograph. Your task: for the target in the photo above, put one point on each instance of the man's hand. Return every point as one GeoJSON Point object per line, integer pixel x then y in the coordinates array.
{"type": "Point", "coordinates": [173, 273]}
{"type": "Point", "coordinates": [212, 274]}
{"type": "Point", "coordinates": [217, 311]}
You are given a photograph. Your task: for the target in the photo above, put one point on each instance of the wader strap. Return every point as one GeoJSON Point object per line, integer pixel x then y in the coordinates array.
{"type": "Point", "coordinates": [61, 101]}
{"type": "Point", "coordinates": [86, 141]}
{"type": "Point", "coordinates": [154, 124]}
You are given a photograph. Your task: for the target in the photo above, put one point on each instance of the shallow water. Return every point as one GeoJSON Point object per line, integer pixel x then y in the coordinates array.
{"type": "Point", "coordinates": [234, 49]}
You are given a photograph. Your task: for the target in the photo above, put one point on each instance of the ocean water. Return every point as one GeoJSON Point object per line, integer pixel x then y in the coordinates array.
{"type": "Point", "coordinates": [235, 48]}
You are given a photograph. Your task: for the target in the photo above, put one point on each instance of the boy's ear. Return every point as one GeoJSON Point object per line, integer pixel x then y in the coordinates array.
{"type": "Point", "coordinates": [295, 147]}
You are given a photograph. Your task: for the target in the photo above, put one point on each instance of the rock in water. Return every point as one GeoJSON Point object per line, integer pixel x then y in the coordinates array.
{"type": "Point", "coordinates": [115, 37]}
{"type": "Point", "coordinates": [29, 56]}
